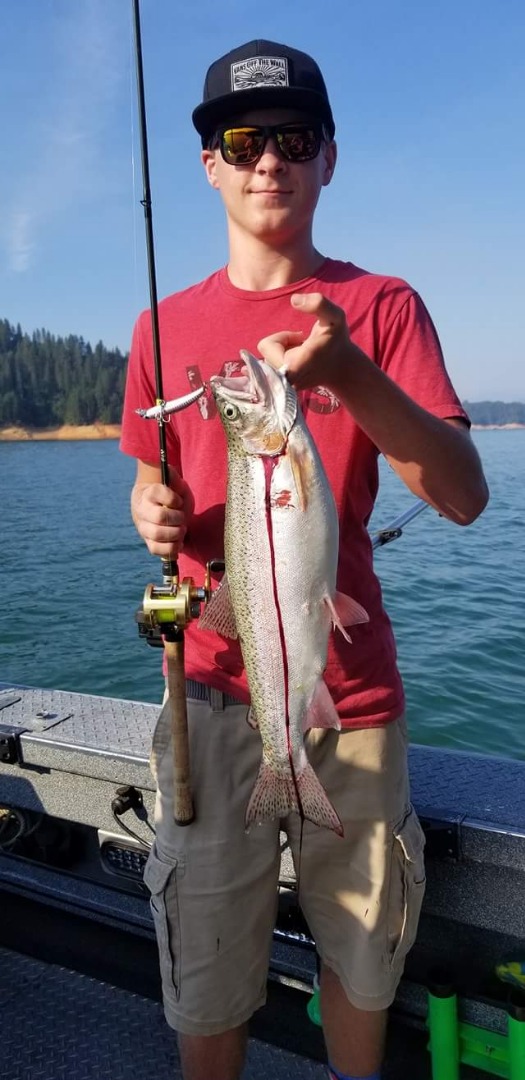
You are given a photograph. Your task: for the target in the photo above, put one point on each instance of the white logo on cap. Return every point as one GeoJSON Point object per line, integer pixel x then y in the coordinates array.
{"type": "Point", "coordinates": [259, 71]}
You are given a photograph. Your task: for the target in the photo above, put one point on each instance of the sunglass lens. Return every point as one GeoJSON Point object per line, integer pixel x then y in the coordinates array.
{"type": "Point", "coordinates": [240, 146]}
{"type": "Point", "coordinates": [300, 143]}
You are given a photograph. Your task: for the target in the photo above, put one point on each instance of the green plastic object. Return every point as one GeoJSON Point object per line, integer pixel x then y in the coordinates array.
{"type": "Point", "coordinates": [513, 972]}
{"type": "Point", "coordinates": [444, 1031]}
{"type": "Point", "coordinates": [516, 1035]}
{"type": "Point", "coordinates": [485, 1050]}
{"type": "Point", "coordinates": [313, 1009]}
{"type": "Point", "coordinates": [454, 1042]}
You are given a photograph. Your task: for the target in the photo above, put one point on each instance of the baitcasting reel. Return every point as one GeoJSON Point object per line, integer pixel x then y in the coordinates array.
{"type": "Point", "coordinates": [171, 606]}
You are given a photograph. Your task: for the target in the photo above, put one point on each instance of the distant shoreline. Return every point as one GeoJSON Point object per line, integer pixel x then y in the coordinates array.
{"type": "Point", "coordinates": [497, 427]}
{"type": "Point", "coordinates": [68, 432]}
{"type": "Point", "coordinates": [90, 432]}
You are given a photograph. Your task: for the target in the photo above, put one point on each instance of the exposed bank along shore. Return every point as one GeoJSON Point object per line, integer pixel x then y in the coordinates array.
{"type": "Point", "coordinates": [112, 431]}
{"type": "Point", "coordinates": [61, 434]}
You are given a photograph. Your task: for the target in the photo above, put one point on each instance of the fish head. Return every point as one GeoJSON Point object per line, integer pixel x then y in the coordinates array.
{"type": "Point", "coordinates": [257, 408]}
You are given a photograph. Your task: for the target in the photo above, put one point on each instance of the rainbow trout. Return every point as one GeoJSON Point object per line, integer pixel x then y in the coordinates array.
{"type": "Point", "coordinates": [278, 594]}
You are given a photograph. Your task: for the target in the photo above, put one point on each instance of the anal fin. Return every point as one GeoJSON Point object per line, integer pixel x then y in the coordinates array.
{"type": "Point", "coordinates": [321, 712]}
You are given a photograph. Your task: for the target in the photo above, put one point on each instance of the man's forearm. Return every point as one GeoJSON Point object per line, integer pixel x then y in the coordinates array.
{"type": "Point", "coordinates": [435, 458]}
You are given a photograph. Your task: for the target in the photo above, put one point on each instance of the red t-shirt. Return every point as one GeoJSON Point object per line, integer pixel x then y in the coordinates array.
{"type": "Point", "coordinates": [202, 330]}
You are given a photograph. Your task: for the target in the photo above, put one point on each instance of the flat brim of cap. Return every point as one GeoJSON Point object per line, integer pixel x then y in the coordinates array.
{"type": "Point", "coordinates": [208, 116]}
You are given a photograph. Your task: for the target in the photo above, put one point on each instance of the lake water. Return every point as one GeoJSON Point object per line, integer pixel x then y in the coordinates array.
{"type": "Point", "coordinates": [73, 572]}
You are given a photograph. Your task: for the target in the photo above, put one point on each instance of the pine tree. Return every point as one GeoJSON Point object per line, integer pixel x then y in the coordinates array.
{"type": "Point", "coordinates": [47, 381]}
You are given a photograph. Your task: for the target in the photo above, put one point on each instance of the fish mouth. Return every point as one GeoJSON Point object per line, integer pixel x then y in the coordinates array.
{"type": "Point", "coordinates": [263, 387]}
{"type": "Point", "coordinates": [252, 387]}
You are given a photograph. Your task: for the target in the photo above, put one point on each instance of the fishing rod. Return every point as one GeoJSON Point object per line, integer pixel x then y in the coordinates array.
{"type": "Point", "coordinates": [395, 528]}
{"type": "Point", "coordinates": [167, 609]}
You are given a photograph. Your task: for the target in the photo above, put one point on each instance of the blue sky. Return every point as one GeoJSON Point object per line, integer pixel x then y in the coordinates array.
{"type": "Point", "coordinates": [429, 105]}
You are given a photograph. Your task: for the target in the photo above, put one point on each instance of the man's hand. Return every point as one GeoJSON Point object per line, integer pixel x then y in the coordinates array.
{"type": "Point", "coordinates": [435, 457]}
{"type": "Point", "coordinates": [161, 514]}
{"type": "Point", "coordinates": [322, 358]}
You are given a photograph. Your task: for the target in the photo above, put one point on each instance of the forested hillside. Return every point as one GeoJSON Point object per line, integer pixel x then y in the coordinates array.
{"type": "Point", "coordinates": [48, 381]}
{"type": "Point", "coordinates": [489, 413]}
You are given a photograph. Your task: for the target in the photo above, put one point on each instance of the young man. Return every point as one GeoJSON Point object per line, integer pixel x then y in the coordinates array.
{"type": "Point", "coordinates": [362, 351]}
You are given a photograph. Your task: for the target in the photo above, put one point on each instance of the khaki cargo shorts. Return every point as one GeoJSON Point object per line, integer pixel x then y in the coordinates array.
{"type": "Point", "coordinates": [214, 886]}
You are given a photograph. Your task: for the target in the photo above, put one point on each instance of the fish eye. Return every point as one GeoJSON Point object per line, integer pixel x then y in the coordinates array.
{"type": "Point", "coordinates": [231, 412]}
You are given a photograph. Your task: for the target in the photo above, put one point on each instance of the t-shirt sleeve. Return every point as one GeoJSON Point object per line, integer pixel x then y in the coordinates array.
{"type": "Point", "coordinates": [412, 357]}
{"type": "Point", "coordinates": [140, 437]}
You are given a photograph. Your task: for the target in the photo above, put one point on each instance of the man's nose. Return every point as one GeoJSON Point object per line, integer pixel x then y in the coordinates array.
{"type": "Point", "coordinates": [271, 157]}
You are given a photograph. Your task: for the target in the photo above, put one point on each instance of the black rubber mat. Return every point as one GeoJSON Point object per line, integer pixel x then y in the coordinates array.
{"type": "Point", "coordinates": [60, 1025]}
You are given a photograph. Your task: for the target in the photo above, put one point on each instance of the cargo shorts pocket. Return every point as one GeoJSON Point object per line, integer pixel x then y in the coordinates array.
{"type": "Point", "coordinates": [161, 879]}
{"type": "Point", "coordinates": [407, 886]}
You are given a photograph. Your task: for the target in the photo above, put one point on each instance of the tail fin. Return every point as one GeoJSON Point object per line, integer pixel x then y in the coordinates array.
{"type": "Point", "coordinates": [275, 796]}
{"type": "Point", "coordinates": [315, 804]}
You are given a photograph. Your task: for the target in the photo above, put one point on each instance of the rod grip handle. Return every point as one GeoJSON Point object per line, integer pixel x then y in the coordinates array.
{"type": "Point", "coordinates": [183, 810]}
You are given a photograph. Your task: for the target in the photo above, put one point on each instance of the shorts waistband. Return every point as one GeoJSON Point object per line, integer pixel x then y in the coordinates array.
{"type": "Point", "coordinates": [197, 691]}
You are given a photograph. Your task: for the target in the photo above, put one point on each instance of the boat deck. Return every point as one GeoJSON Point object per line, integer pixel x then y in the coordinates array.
{"type": "Point", "coordinates": [76, 943]}
{"type": "Point", "coordinates": [58, 1023]}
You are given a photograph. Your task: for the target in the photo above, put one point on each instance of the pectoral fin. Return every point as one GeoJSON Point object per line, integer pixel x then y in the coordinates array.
{"type": "Point", "coordinates": [302, 467]}
{"type": "Point", "coordinates": [345, 612]}
{"type": "Point", "coordinates": [218, 614]}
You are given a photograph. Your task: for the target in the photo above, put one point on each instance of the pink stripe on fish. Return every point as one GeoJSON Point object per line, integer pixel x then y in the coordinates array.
{"type": "Point", "coordinates": [270, 464]}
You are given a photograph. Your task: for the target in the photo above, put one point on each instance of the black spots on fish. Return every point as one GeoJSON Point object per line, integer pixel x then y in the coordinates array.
{"type": "Point", "coordinates": [275, 795]}
{"type": "Point", "coordinates": [315, 804]}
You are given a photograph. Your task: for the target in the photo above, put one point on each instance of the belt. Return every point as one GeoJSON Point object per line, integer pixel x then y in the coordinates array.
{"type": "Point", "coordinates": [197, 691]}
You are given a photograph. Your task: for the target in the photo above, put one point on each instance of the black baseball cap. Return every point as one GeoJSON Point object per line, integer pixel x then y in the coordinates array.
{"type": "Point", "coordinates": [261, 74]}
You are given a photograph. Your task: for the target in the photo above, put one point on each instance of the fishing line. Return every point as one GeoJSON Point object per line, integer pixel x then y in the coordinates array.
{"type": "Point", "coordinates": [299, 857]}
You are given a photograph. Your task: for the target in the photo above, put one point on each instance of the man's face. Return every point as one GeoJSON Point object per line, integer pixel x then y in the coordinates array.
{"type": "Point", "coordinates": [272, 199]}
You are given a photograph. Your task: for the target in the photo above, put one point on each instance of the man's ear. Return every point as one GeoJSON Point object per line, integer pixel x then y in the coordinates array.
{"type": "Point", "coordinates": [330, 156]}
{"type": "Point", "coordinates": [209, 160]}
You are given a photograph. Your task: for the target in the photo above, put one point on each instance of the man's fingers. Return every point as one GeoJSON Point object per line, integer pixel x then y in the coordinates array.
{"type": "Point", "coordinates": [168, 518]}
{"type": "Point", "coordinates": [166, 551]}
{"type": "Point", "coordinates": [272, 351]}
{"type": "Point", "coordinates": [327, 313]}
{"type": "Point", "coordinates": [162, 540]}
{"type": "Point", "coordinates": [164, 496]}
{"type": "Point", "coordinates": [163, 534]}
{"type": "Point", "coordinates": [273, 348]}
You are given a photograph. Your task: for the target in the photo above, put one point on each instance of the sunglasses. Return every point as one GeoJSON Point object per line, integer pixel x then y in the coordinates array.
{"type": "Point", "coordinates": [245, 145]}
